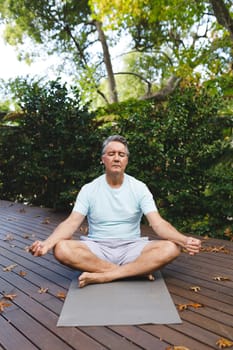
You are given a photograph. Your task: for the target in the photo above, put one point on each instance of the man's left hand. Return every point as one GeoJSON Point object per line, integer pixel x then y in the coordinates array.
{"type": "Point", "coordinates": [193, 245]}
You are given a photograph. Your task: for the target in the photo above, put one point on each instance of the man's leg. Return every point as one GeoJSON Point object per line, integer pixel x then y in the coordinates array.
{"type": "Point", "coordinates": [154, 255]}
{"type": "Point", "coordinates": [77, 255]}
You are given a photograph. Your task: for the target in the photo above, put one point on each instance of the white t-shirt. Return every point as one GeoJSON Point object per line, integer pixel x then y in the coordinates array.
{"type": "Point", "coordinates": [114, 212]}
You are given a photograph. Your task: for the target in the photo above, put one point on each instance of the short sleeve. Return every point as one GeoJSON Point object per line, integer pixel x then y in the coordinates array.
{"type": "Point", "coordinates": [147, 202]}
{"type": "Point", "coordinates": [82, 204]}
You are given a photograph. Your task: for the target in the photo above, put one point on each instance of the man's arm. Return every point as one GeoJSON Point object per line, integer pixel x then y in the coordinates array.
{"type": "Point", "coordinates": [166, 231]}
{"type": "Point", "coordinates": [64, 230]}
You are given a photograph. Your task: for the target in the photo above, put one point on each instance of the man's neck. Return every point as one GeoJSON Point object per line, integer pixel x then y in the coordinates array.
{"type": "Point", "coordinates": [115, 181]}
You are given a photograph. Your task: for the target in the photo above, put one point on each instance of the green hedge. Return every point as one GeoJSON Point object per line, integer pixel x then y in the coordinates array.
{"type": "Point", "coordinates": [50, 150]}
{"type": "Point", "coordinates": [180, 148]}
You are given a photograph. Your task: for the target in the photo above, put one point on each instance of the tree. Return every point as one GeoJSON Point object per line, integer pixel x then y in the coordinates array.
{"type": "Point", "coordinates": [65, 27]}
{"type": "Point", "coordinates": [182, 39]}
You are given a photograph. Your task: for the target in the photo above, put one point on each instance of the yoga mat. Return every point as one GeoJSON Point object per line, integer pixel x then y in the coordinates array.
{"type": "Point", "coordinates": [123, 302]}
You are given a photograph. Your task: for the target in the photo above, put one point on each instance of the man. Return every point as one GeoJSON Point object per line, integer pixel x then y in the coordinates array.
{"type": "Point", "coordinates": [114, 204]}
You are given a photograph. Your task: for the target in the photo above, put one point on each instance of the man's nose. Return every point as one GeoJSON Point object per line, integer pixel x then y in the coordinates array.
{"type": "Point", "coordinates": [116, 156]}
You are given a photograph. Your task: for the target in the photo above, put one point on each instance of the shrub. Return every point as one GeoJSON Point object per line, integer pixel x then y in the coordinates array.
{"type": "Point", "coordinates": [50, 150]}
{"type": "Point", "coordinates": [174, 147]}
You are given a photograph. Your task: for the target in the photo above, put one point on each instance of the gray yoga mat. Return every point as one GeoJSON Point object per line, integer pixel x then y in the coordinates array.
{"type": "Point", "coordinates": [124, 302]}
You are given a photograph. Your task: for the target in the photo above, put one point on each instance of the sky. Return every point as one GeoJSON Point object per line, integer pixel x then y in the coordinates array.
{"type": "Point", "coordinates": [44, 66]}
{"type": "Point", "coordinates": [11, 67]}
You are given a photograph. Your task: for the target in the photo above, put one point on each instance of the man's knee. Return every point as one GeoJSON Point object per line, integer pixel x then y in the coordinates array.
{"type": "Point", "coordinates": [67, 251]}
{"type": "Point", "coordinates": [60, 250]}
{"type": "Point", "coordinates": [173, 249]}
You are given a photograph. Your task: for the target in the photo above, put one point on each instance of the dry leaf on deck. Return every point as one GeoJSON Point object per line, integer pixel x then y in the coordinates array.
{"type": "Point", "coordinates": [4, 304]}
{"type": "Point", "coordinates": [27, 249]}
{"type": "Point", "coordinates": [224, 343]}
{"type": "Point", "coordinates": [221, 278]}
{"type": "Point", "coordinates": [9, 268]}
{"type": "Point", "coordinates": [61, 295]}
{"type": "Point", "coordinates": [43, 290]}
{"type": "Point", "coordinates": [46, 221]}
{"type": "Point", "coordinates": [195, 289]}
{"type": "Point", "coordinates": [9, 296]}
{"type": "Point", "coordinates": [196, 305]}
{"type": "Point", "coordinates": [216, 249]}
{"type": "Point", "coordinates": [182, 307]}
{"type": "Point", "coordinates": [22, 273]}
{"type": "Point", "coordinates": [206, 237]}
{"type": "Point", "coordinates": [9, 237]}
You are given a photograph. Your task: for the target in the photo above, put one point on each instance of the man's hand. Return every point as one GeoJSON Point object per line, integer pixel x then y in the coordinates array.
{"type": "Point", "coordinates": [38, 248]}
{"type": "Point", "coordinates": [193, 245]}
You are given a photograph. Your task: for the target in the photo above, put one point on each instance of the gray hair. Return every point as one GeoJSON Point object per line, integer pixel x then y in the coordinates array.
{"type": "Point", "coordinates": [117, 138]}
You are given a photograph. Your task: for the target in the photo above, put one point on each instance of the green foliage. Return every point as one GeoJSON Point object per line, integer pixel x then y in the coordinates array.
{"type": "Point", "coordinates": [51, 151]}
{"type": "Point", "coordinates": [180, 148]}
{"type": "Point", "coordinates": [173, 37]}
{"type": "Point", "coordinates": [176, 148]}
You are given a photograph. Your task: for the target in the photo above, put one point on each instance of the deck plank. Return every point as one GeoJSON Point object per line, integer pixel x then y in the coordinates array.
{"type": "Point", "coordinates": [30, 323]}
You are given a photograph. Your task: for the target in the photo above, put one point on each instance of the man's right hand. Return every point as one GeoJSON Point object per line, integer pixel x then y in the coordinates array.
{"type": "Point", "coordinates": [38, 248]}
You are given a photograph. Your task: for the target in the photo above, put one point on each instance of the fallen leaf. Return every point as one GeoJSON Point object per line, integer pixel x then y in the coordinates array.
{"type": "Point", "coordinates": [11, 219]}
{"type": "Point", "coordinates": [9, 237]}
{"type": "Point", "coordinates": [206, 237]}
{"type": "Point", "coordinates": [196, 305]}
{"type": "Point", "coordinates": [43, 290]}
{"type": "Point", "coordinates": [61, 295]}
{"type": "Point", "coordinates": [9, 268]}
{"type": "Point", "coordinates": [46, 221]}
{"type": "Point", "coordinates": [221, 278]}
{"type": "Point", "coordinates": [27, 249]}
{"type": "Point", "coordinates": [195, 289]}
{"type": "Point", "coordinates": [9, 296]}
{"type": "Point", "coordinates": [4, 304]}
{"type": "Point", "coordinates": [216, 249]}
{"type": "Point", "coordinates": [22, 273]}
{"type": "Point", "coordinates": [22, 210]}
{"type": "Point", "coordinates": [182, 307]}
{"type": "Point", "coordinates": [224, 343]}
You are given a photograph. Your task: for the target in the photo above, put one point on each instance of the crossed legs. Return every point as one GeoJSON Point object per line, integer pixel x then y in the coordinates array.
{"type": "Point", "coordinates": [78, 256]}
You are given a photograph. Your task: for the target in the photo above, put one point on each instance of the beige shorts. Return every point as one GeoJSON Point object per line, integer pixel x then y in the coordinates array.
{"type": "Point", "coordinates": [116, 251]}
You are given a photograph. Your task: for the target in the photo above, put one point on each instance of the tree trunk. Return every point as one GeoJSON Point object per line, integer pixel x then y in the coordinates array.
{"type": "Point", "coordinates": [108, 63]}
{"type": "Point", "coordinates": [223, 15]}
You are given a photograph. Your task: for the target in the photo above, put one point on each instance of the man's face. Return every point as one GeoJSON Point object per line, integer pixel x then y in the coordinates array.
{"type": "Point", "coordinates": [115, 158]}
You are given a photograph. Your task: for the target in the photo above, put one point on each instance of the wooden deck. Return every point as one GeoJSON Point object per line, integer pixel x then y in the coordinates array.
{"type": "Point", "coordinates": [29, 322]}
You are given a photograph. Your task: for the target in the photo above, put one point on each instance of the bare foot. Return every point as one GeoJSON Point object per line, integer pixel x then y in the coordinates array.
{"type": "Point", "coordinates": [100, 277]}
{"type": "Point", "coordinates": [90, 278]}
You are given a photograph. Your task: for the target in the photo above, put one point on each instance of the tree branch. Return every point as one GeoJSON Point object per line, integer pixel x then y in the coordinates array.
{"type": "Point", "coordinates": [149, 84]}
{"type": "Point", "coordinates": [80, 51]}
{"type": "Point", "coordinates": [223, 15]}
{"type": "Point", "coordinates": [162, 94]}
